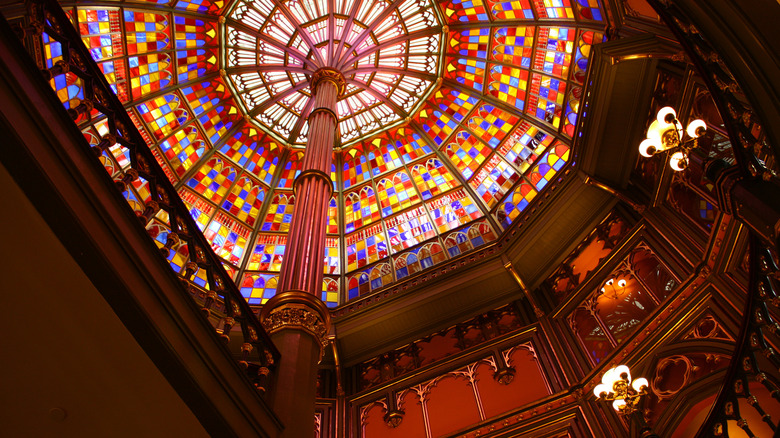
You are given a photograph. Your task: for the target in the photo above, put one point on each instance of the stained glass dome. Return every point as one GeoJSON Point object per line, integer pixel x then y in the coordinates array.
{"type": "Point", "coordinates": [457, 115]}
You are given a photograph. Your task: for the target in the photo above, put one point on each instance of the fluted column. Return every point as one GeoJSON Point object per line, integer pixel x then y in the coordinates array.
{"type": "Point", "coordinates": [296, 318]}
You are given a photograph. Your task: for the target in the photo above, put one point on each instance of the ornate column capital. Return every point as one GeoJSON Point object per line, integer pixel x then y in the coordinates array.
{"type": "Point", "coordinates": [331, 75]}
{"type": "Point", "coordinates": [296, 309]}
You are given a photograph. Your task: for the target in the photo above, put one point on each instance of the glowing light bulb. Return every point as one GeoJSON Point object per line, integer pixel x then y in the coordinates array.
{"type": "Point", "coordinates": [623, 369]}
{"type": "Point", "coordinates": [678, 161]}
{"type": "Point", "coordinates": [649, 147]}
{"type": "Point", "coordinates": [619, 404]}
{"type": "Point", "coordinates": [663, 113]}
{"type": "Point", "coordinates": [696, 128]}
{"type": "Point", "coordinates": [640, 384]}
{"type": "Point", "coordinates": [601, 389]}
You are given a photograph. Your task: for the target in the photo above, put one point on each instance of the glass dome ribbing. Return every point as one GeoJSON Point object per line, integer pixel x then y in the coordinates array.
{"type": "Point", "coordinates": [457, 124]}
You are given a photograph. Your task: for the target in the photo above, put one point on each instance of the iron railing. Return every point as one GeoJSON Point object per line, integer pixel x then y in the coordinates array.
{"type": "Point", "coordinates": [220, 300]}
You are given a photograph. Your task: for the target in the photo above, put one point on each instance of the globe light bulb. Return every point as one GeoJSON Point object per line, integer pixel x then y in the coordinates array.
{"type": "Point", "coordinates": [619, 404]}
{"type": "Point", "coordinates": [622, 282]}
{"type": "Point", "coordinates": [639, 384]}
{"type": "Point", "coordinates": [610, 378]}
{"type": "Point", "coordinates": [623, 369]}
{"type": "Point", "coordinates": [601, 389]}
{"type": "Point", "coordinates": [664, 113]}
{"type": "Point", "coordinates": [649, 147]}
{"type": "Point", "coordinates": [696, 128]}
{"type": "Point", "coordinates": [678, 161]}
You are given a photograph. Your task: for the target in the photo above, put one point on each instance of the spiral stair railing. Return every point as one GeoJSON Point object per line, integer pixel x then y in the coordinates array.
{"type": "Point", "coordinates": [754, 359]}
{"type": "Point", "coordinates": [221, 302]}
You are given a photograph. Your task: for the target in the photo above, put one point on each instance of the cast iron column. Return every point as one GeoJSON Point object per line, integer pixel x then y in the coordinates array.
{"type": "Point", "coordinates": [296, 318]}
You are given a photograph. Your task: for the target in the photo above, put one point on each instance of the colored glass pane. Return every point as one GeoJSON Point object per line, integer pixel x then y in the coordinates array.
{"type": "Point", "coordinates": [191, 32]}
{"type": "Point", "coordinates": [554, 46]}
{"type": "Point", "coordinates": [100, 30]}
{"type": "Point", "coordinates": [545, 99]}
{"type": "Point", "coordinates": [589, 10]}
{"type": "Point", "coordinates": [380, 275]}
{"type": "Point", "coordinates": [149, 73]}
{"type": "Point", "coordinates": [360, 208]}
{"type": "Point", "coordinates": [163, 114]}
{"type": "Point", "coordinates": [550, 163]}
{"type": "Point", "coordinates": [333, 216]}
{"type": "Point", "coordinates": [330, 292]}
{"type": "Point", "coordinates": [227, 237]}
{"type": "Point", "coordinates": [508, 84]}
{"type": "Point", "coordinates": [410, 145]}
{"type": "Point", "coordinates": [355, 168]}
{"type": "Point", "coordinates": [260, 157]}
{"type": "Point", "coordinates": [471, 43]}
{"type": "Point", "coordinates": [195, 63]}
{"type": "Point", "coordinates": [279, 214]}
{"type": "Point", "coordinates": [452, 210]}
{"type": "Point", "coordinates": [331, 263]}
{"type": "Point", "coordinates": [512, 10]}
{"type": "Point", "coordinates": [437, 124]}
{"type": "Point", "coordinates": [468, 72]}
{"type": "Point", "coordinates": [491, 124]}
{"type": "Point", "coordinates": [466, 10]}
{"type": "Point", "coordinates": [268, 253]}
{"type": "Point", "coordinates": [514, 45]}
{"type": "Point", "coordinates": [183, 149]}
{"type": "Point", "coordinates": [259, 288]}
{"type": "Point", "coordinates": [52, 50]}
{"type": "Point", "coordinates": [553, 8]}
{"type": "Point", "coordinates": [432, 178]}
{"type": "Point", "coordinates": [384, 157]}
{"type": "Point", "coordinates": [525, 145]}
{"type": "Point", "coordinates": [365, 246]}
{"type": "Point", "coordinates": [146, 32]}
{"type": "Point", "coordinates": [116, 76]}
{"type": "Point", "coordinates": [200, 210]}
{"type": "Point", "coordinates": [516, 203]}
{"type": "Point", "coordinates": [396, 193]}
{"type": "Point", "coordinates": [205, 6]}
{"type": "Point", "coordinates": [213, 179]}
{"type": "Point", "coordinates": [358, 285]}
{"type": "Point", "coordinates": [467, 153]}
{"type": "Point", "coordinates": [467, 239]}
{"type": "Point", "coordinates": [408, 229]}
{"type": "Point", "coordinates": [210, 102]}
{"type": "Point", "coordinates": [244, 200]}
{"type": "Point", "coordinates": [290, 171]}
{"type": "Point", "coordinates": [418, 259]}
{"type": "Point", "coordinates": [454, 102]}
{"type": "Point", "coordinates": [494, 180]}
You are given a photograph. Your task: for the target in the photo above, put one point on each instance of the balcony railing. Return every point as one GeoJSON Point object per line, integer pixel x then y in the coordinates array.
{"type": "Point", "coordinates": [45, 26]}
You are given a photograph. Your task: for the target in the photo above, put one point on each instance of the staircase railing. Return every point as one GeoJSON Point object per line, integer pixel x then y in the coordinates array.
{"type": "Point", "coordinates": [754, 359]}
{"type": "Point", "coordinates": [221, 303]}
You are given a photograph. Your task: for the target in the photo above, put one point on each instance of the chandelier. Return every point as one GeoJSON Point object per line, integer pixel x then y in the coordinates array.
{"type": "Point", "coordinates": [666, 134]}
{"type": "Point", "coordinates": [616, 386]}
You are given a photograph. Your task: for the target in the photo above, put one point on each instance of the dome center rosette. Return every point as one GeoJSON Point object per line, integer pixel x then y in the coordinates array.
{"type": "Point", "coordinates": [389, 52]}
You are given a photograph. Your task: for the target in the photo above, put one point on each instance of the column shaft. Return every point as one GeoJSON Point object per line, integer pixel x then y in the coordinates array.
{"type": "Point", "coordinates": [296, 317]}
{"type": "Point", "coordinates": [302, 266]}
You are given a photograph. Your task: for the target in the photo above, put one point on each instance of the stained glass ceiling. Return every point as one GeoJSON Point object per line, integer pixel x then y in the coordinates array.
{"type": "Point", "coordinates": [457, 115]}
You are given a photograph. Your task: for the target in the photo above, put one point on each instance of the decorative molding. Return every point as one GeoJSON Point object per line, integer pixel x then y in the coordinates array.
{"type": "Point", "coordinates": [330, 75]}
{"type": "Point", "coordinates": [299, 310]}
